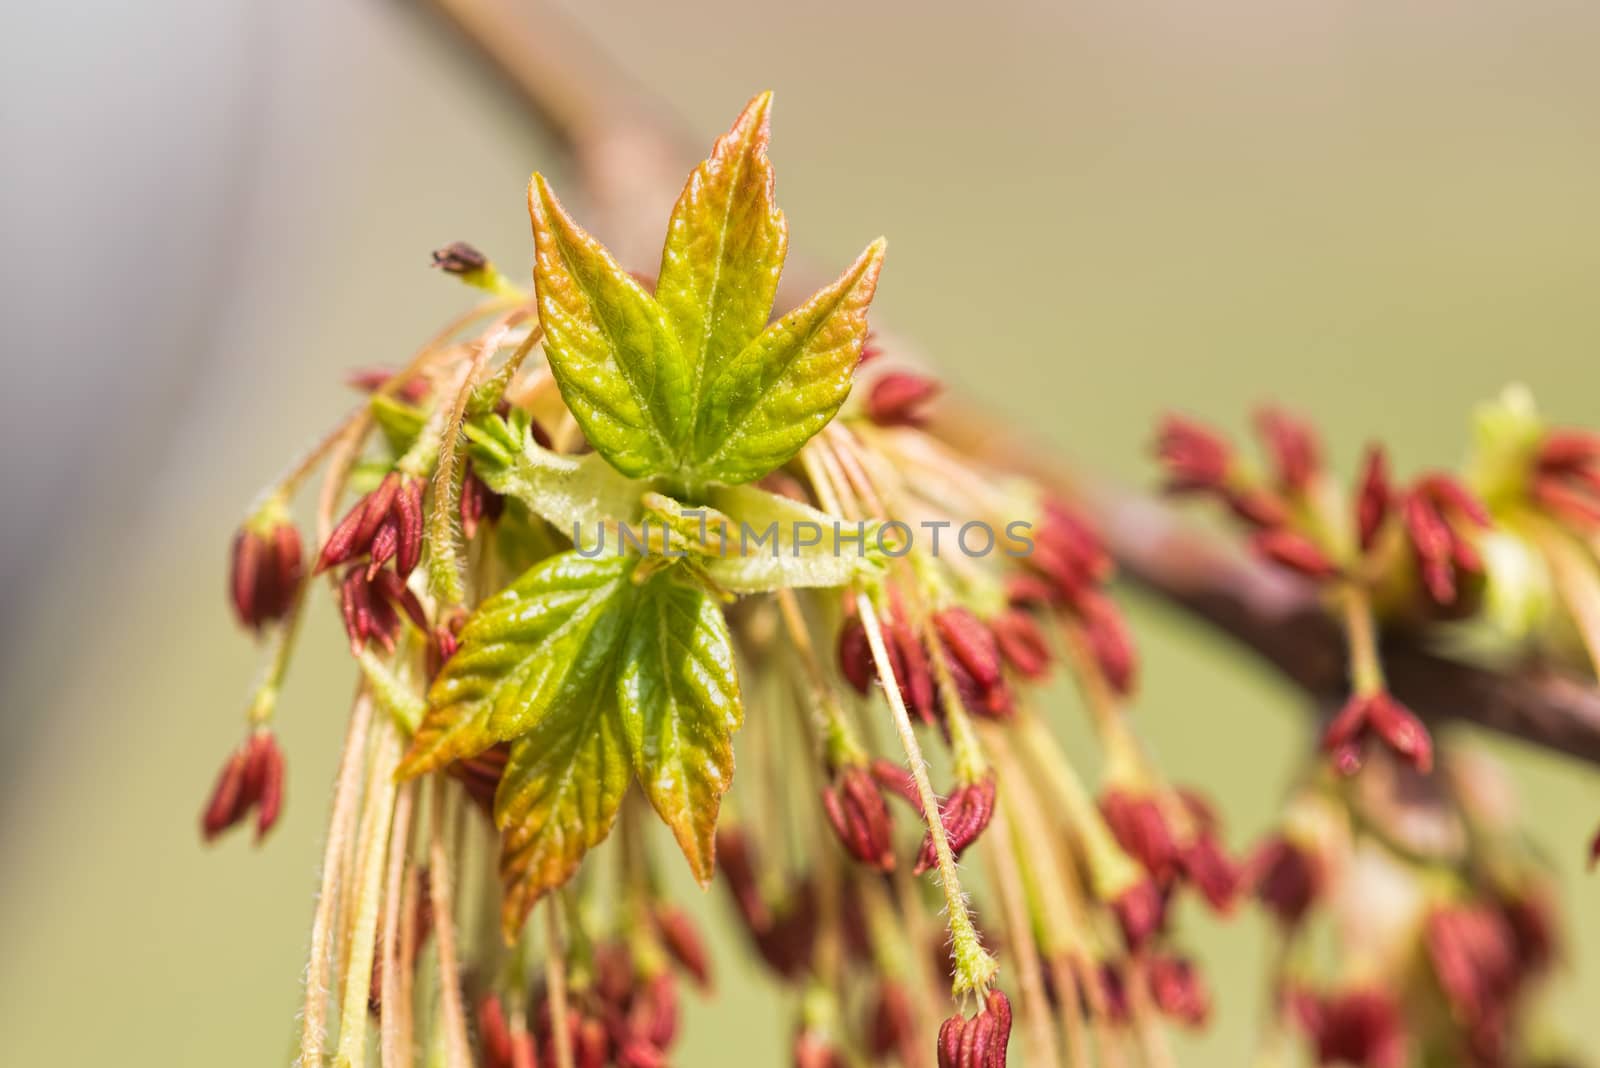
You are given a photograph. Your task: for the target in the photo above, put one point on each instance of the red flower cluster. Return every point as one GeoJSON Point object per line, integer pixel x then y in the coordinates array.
{"type": "Point", "coordinates": [1068, 570]}
{"type": "Point", "coordinates": [1438, 514]}
{"type": "Point", "coordinates": [1484, 954]}
{"type": "Point", "coordinates": [1173, 983]}
{"type": "Point", "coordinates": [265, 575]}
{"type": "Point", "coordinates": [979, 1042]}
{"type": "Point", "coordinates": [1191, 854]}
{"type": "Point", "coordinates": [964, 813]}
{"type": "Point", "coordinates": [968, 649]}
{"type": "Point", "coordinates": [900, 399]}
{"type": "Point", "coordinates": [622, 1019]}
{"type": "Point", "coordinates": [1360, 1027]}
{"type": "Point", "coordinates": [860, 817]}
{"type": "Point", "coordinates": [784, 933]}
{"type": "Point", "coordinates": [385, 524]}
{"type": "Point", "coordinates": [1382, 717]}
{"type": "Point", "coordinates": [1286, 878]}
{"type": "Point", "coordinates": [251, 779]}
{"type": "Point", "coordinates": [1566, 477]}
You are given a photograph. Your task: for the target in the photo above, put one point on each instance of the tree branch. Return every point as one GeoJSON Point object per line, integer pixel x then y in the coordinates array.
{"type": "Point", "coordinates": [633, 159]}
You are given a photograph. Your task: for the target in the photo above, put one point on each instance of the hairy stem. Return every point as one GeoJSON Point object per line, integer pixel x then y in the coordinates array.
{"type": "Point", "coordinates": [340, 825]}
{"type": "Point", "coordinates": [457, 1053]}
{"type": "Point", "coordinates": [368, 901]}
{"type": "Point", "coordinates": [975, 968]}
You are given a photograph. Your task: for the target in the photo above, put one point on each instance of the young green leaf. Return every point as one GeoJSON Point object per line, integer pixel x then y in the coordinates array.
{"type": "Point", "coordinates": [725, 248]}
{"type": "Point", "coordinates": [528, 653]}
{"type": "Point", "coordinates": [778, 543]}
{"type": "Point", "coordinates": [559, 796]}
{"type": "Point", "coordinates": [787, 383]}
{"type": "Point", "coordinates": [574, 494]}
{"type": "Point", "coordinates": [610, 347]}
{"type": "Point", "coordinates": [678, 690]}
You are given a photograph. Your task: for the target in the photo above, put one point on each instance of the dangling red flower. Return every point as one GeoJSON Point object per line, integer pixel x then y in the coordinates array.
{"type": "Point", "coordinates": [1438, 512]}
{"type": "Point", "coordinates": [1382, 717]}
{"type": "Point", "coordinates": [979, 1042]}
{"type": "Point", "coordinates": [266, 570]}
{"type": "Point", "coordinates": [385, 524]}
{"type": "Point", "coordinates": [251, 779]}
{"type": "Point", "coordinates": [860, 817]}
{"type": "Point", "coordinates": [965, 813]}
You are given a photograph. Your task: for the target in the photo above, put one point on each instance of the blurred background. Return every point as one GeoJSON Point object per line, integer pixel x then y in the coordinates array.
{"type": "Point", "coordinates": [1097, 211]}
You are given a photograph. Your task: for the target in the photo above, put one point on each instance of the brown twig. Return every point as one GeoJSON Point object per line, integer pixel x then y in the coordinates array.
{"type": "Point", "coordinates": [606, 120]}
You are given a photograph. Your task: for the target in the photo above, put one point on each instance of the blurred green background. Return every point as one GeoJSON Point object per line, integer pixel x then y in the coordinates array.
{"type": "Point", "coordinates": [1097, 211]}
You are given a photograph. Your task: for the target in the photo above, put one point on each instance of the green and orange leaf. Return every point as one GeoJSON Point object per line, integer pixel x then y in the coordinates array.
{"type": "Point", "coordinates": [678, 691]}
{"type": "Point", "coordinates": [526, 654]}
{"type": "Point", "coordinates": [787, 383]}
{"type": "Point", "coordinates": [614, 355]}
{"type": "Point", "coordinates": [725, 247]}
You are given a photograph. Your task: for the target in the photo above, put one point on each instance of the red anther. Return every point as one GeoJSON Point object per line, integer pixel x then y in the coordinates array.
{"type": "Point", "coordinates": [897, 779]}
{"type": "Point", "coordinates": [479, 503]}
{"type": "Point", "coordinates": [1360, 1027]}
{"type": "Point", "coordinates": [1110, 643]}
{"type": "Point", "coordinates": [1437, 512]}
{"type": "Point", "coordinates": [899, 399]}
{"type": "Point", "coordinates": [1295, 551]}
{"type": "Point", "coordinates": [1196, 458]}
{"type": "Point", "coordinates": [265, 573]}
{"type": "Point", "coordinates": [385, 524]}
{"type": "Point", "coordinates": [970, 644]}
{"type": "Point", "coordinates": [1473, 951]}
{"type": "Point", "coordinates": [890, 1028]}
{"type": "Point", "coordinates": [494, 1037]}
{"type": "Point", "coordinates": [1141, 912]}
{"type": "Point", "coordinates": [855, 656]}
{"type": "Point", "coordinates": [1257, 507]}
{"type": "Point", "coordinates": [978, 1042]}
{"type": "Point", "coordinates": [252, 779]}
{"type": "Point", "coordinates": [1286, 878]}
{"type": "Point", "coordinates": [372, 379]}
{"type": "Point", "coordinates": [1293, 447]}
{"type": "Point", "coordinates": [1208, 869]}
{"type": "Point", "coordinates": [1178, 990]}
{"type": "Point", "coordinates": [682, 940]}
{"type": "Point", "coordinates": [859, 816]}
{"type": "Point", "coordinates": [371, 606]}
{"type": "Point", "coordinates": [1068, 551]}
{"type": "Point", "coordinates": [964, 814]}
{"type": "Point", "coordinates": [1566, 478]}
{"type": "Point", "coordinates": [1137, 822]}
{"type": "Point", "coordinates": [911, 668]}
{"type": "Point", "coordinates": [1031, 591]}
{"type": "Point", "coordinates": [1374, 497]}
{"type": "Point", "coordinates": [1021, 643]}
{"type": "Point", "coordinates": [1380, 716]}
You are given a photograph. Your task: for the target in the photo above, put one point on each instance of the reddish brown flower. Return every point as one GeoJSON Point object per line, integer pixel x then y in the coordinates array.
{"type": "Point", "coordinates": [784, 932]}
{"type": "Point", "coordinates": [1293, 447]}
{"type": "Point", "coordinates": [385, 524]}
{"type": "Point", "coordinates": [890, 1028]}
{"type": "Point", "coordinates": [1208, 869]}
{"type": "Point", "coordinates": [1140, 827]}
{"type": "Point", "coordinates": [1566, 477]}
{"type": "Point", "coordinates": [1374, 498]}
{"type": "Point", "coordinates": [372, 379]}
{"type": "Point", "coordinates": [1196, 457]}
{"type": "Point", "coordinates": [683, 942]}
{"type": "Point", "coordinates": [1295, 551]}
{"type": "Point", "coordinates": [1021, 643]}
{"type": "Point", "coordinates": [1109, 641]}
{"type": "Point", "coordinates": [1285, 878]}
{"type": "Point", "coordinates": [1141, 912]}
{"type": "Point", "coordinates": [1177, 989]}
{"type": "Point", "coordinates": [965, 813]}
{"type": "Point", "coordinates": [907, 660]}
{"type": "Point", "coordinates": [1068, 552]}
{"type": "Point", "coordinates": [494, 1036]}
{"type": "Point", "coordinates": [1360, 1027]}
{"type": "Point", "coordinates": [979, 1042]}
{"type": "Point", "coordinates": [1382, 717]}
{"type": "Point", "coordinates": [266, 571]}
{"type": "Point", "coordinates": [1438, 513]}
{"type": "Point", "coordinates": [860, 817]}
{"type": "Point", "coordinates": [900, 399]}
{"type": "Point", "coordinates": [251, 779]}
{"type": "Point", "coordinates": [371, 602]}
{"type": "Point", "coordinates": [479, 503]}
{"type": "Point", "coordinates": [973, 658]}
{"type": "Point", "coordinates": [1474, 955]}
